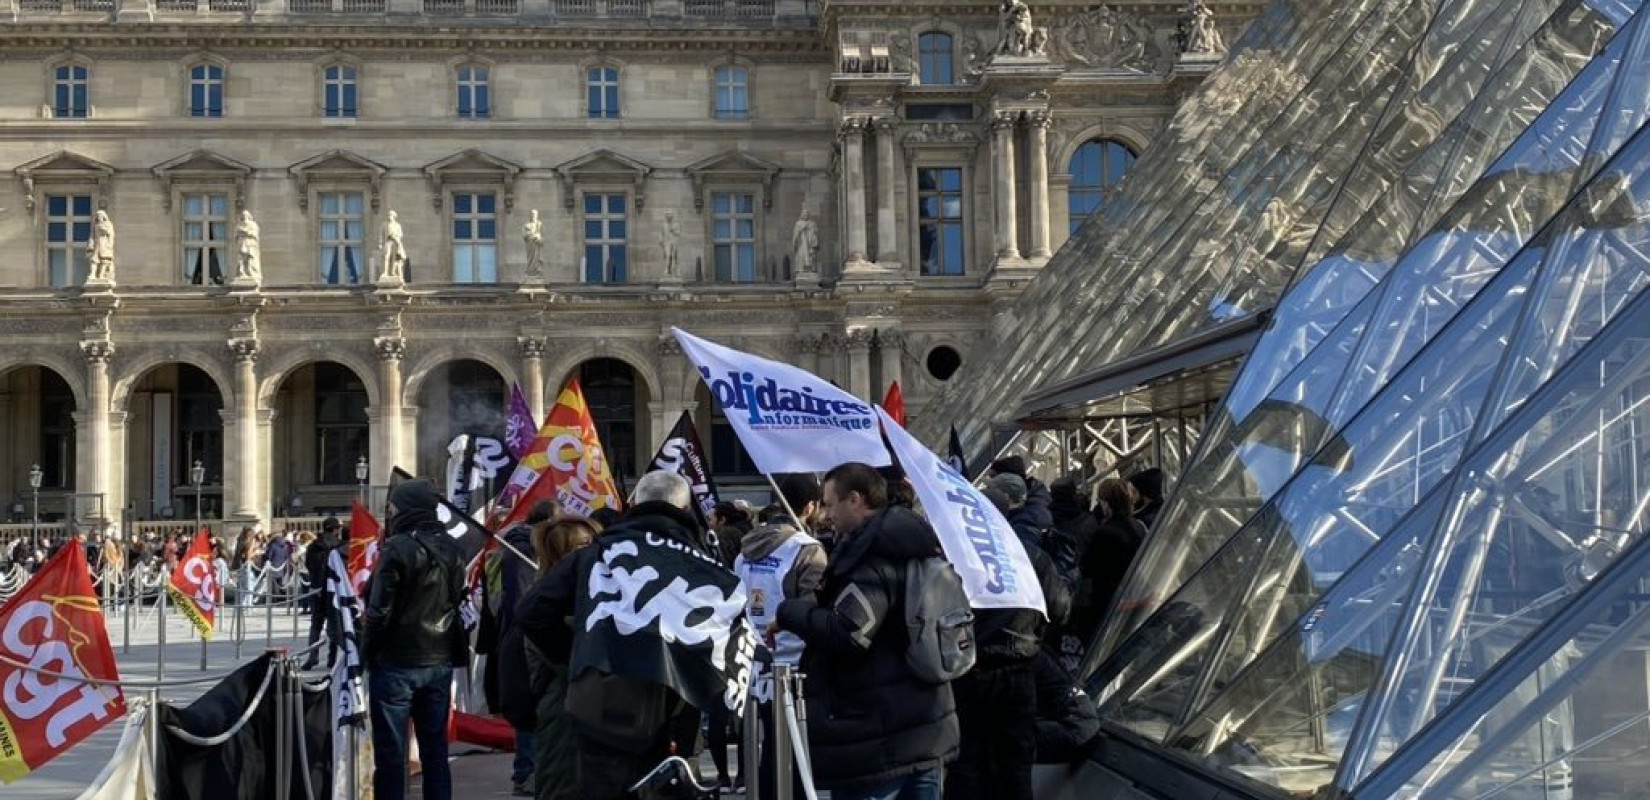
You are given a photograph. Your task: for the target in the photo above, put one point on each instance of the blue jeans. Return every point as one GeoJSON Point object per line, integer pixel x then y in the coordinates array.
{"type": "Point", "coordinates": [423, 695]}
{"type": "Point", "coordinates": [924, 785]}
{"type": "Point", "coordinates": [521, 767]}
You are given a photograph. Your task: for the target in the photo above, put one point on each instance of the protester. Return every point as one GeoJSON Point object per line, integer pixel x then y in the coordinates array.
{"type": "Point", "coordinates": [875, 729]}
{"type": "Point", "coordinates": [730, 523]}
{"type": "Point", "coordinates": [780, 561]}
{"type": "Point", "coordinates": [622, 723]}
{"type": "Point", "coordinates": [323, 607]}
{"type": "Point", "coordinates": [1067, 719]}
{"type": "Point", "coordinates": [1038, 499]}
{"type": "Point", "coordinates": [1108, 558]}
{"type": "Point", "coordinates": [1149, 484]}
{"type": "Point", "coordinates": [506, 580]}
{"type": "Point", "coordinates": [413, 639]}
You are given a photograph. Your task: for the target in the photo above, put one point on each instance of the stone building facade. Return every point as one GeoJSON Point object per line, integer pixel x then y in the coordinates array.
{"type": "Point", "coordinates": [661, 153]}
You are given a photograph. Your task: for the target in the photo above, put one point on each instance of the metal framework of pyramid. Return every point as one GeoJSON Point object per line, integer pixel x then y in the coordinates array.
{"type": "Point", "coordinates": [1408, 558]}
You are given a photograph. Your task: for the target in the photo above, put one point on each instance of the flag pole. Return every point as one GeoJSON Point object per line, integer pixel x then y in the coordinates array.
{"type": "Point", "coordinates": [794, 516]}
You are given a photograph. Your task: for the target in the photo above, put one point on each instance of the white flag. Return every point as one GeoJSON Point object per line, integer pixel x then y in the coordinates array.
{"type": "Point", "coordinates": [995, 570]}
{"type": "Point", "coordinates": [789, 419]}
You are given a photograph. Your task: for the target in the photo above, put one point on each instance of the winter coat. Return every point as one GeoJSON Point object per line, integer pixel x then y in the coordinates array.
{"type": "Point", "coordinates": [411, 617]}
{"type": "Point", "coordinates": [1106, 563]}
{"type": "Point", "coordinates": [1036, 511]}
{"type": "Point", "coordinates": [809, 569]}
{"type": "Point", "coordinates": [1067, 719]}
{"type": "Point", "coordinates": [870, 719]}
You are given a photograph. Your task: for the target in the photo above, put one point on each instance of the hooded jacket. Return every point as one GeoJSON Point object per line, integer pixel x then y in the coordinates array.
{"type": "Point", "coordinates": [411, 617]}
{"type": "Point", "coordinates": [809, 569]}
{"type": "Point", "coordinates": [870, 719]}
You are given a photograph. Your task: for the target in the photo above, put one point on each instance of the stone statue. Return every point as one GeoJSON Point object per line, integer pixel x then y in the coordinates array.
{"type": "Point", "coordinates": [248, 268]}
{"type": "Point", "coordinates": [533, 234]}
{"type": "Point", "coordinates": [1019, 36]}
{"type": "Point", "coordinates": [100, 250]}
{"type": "Point", "coordinates": [668, 237]}
{"type": "Point", "coordinates": [1201, 34]}
{"type": "Point", "coordinates": [804, 244]}
{"type": "Point", "coordinates": [393, 252]}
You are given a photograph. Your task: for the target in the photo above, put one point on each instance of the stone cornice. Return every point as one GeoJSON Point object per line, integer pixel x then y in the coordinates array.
{"type": "Point", "coordinates": [437, 36]}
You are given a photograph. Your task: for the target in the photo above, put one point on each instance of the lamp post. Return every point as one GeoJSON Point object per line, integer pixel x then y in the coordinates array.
{"type": "Point", "coordinates": [361, 469]}
{"type": "Point", "coordinates": [197, 476]}
{"type": "Point", "coordinates": [36, 477]}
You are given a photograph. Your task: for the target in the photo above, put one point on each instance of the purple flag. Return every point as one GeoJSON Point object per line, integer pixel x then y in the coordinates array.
{"type": "Point", "coordinates": [520, 428]}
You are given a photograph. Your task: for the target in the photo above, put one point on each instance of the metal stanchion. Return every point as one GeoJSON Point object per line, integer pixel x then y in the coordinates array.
{"type": "Point", "coordinates": [283, 728]}
{"type": "Point", "coordinates": [751, 770]}
{"type": "Point", "coordinates": [782, 759]}
{"type": "Point", "coordinates": [240, 625]}
{"type": "Point", "coordinates": [126, 621]}
{"type": "Point", "coordinates": [269, 612]}
{"type": "Point", "coordinates": [160, 651]}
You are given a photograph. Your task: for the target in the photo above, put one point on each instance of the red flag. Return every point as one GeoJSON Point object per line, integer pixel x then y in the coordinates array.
{"type": "Point", "coordinates": [364, 537]}
{"type": "Point", "coordinates": [894, 403]}
{"type": "Point", "coordinates": [575, 472]}
{"type": "Point", "coordinates": [54, 624]}
{"type": "Point", "coordinates": [194, 584]}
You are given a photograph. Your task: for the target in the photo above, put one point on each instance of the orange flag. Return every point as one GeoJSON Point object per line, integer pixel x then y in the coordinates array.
{"type": "Point", "coordinates": [364, 536]}
{"type": "Point", "coordinates": [55, 625]}
{"type": "Point", "coordinates": [894, 403]}
{"type": "Point", "coordinates": [194, 585]}
{"type": "Point", "coordinates": [574, 471]}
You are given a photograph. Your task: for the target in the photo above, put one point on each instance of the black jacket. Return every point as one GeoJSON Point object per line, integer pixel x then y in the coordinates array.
{"type": "Point", "coordinates": [315, 567]}
{"type": "Point", "coordinates": [1106, 563]}
{"type": "Point", "coordinates": [1067, 719]}
{"type": "Point", "coordinates": [1036, 510]}
{"type": "Point", "coordinates": [870, 720]}
{"type": "Point", "coordinates": [411, 618]}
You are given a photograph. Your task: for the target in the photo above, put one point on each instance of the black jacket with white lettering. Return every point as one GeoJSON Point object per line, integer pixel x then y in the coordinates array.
{"type": "Point", "coordinates": [870, 720]}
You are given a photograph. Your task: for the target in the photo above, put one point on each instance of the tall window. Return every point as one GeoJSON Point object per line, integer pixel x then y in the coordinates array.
{"type": "Point", "coordinates": [940, 220]}
{"type": "Point", "coordinates": [733, 237]}
{"type": "Point", "coordinates": [68, 229]}
{"type": "Point", "coordinates": [732, 93]}
{"type": "Point", "coordinates": [1096, 167]}
{"type": "Point", "coordinates": [610, 391]}
{"type": "Point", "coordinates": [338, 91]}
{"type": "Point", "coordinates": [206, 90]}
{"type": "Point", "coordinates": [605, 235]}
{"type": "Point", "coordinates": [475, 238]}
{"type": "Point", "coordinates": [934, 66]}
{"type": "Point", "coordinates": [727, 453]}
{"type": "Point", "coordinates": [342, 234]}
{"type": "Point", "coordinates": [340, 423]}
{"type": "Point", "coordinates": [205, 237]}
{"type": "Point", "coordinates": [56, 431]}
{"type": "Point", "coordinates": [601, 88]}
{"type": "Point", "coordinates": [474, 93]}
{"type": "Point", "coordinates": [69, 99]}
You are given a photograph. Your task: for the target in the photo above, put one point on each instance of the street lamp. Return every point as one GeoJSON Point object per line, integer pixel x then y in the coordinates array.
{"type": "Point", "coordinates": [197, 476]}
{"type": "Point", "coordinates": [36, 477]}
{"type": "Point", "coordinates": [361, 478]}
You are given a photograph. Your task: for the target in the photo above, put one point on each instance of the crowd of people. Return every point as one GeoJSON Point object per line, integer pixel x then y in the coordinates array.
{"type": "Point", "coordinates": [825, 569]}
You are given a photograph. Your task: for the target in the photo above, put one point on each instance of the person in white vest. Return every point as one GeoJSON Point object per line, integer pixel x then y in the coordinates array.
{"type": "Point", "coordinates": [779, 561]}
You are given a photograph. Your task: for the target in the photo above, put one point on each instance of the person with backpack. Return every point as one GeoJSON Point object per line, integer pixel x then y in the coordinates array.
{"type": "Point", "coordinates": [505, 578]}
{"type": "Point", "coordinates": [877, 730]}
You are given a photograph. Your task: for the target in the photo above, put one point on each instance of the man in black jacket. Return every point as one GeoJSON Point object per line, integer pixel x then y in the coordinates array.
{"type": "Point", "coordinates": [623, 724]}
{"type": "Point", "coordinates": [323, 610]}
{"type": "Point", "coordinates": [876, 731]}
{"type": "Point", "coordinates": [412, 640]}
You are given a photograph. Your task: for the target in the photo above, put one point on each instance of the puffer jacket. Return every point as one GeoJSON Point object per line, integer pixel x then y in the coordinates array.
{"type": "Point", "coordinates": [870, 719]}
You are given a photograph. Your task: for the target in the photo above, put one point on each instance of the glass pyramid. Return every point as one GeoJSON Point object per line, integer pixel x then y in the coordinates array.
{"type": "Point", "coordinates": [1408, 558]}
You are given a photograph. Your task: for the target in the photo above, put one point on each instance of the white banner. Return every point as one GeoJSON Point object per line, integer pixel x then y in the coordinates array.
{"type": "Point", "coordinates": [985, 551]}
{"type": "Point", "coordinates": [130, 773]}
{"type": "Point", "coordinates": [789, 419]}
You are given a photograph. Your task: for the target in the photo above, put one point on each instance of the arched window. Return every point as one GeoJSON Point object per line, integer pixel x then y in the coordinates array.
{"type": "Point", "coordinates": [610, 392]}
{"type": "Point", "coordinates": [934, 63]}
{"type": "Point", "coordinates": [1096, 167]}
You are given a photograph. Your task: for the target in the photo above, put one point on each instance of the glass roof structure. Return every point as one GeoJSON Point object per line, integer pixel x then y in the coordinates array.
{"type": "Point", "coordinates": [1408, 559]}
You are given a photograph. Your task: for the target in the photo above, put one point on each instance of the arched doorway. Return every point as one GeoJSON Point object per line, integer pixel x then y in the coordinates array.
{"type": "Point", "coordinates": [618, 401]}
{"type": "Point", "coordinates": [37, 428]}
{"type": "Point", "coordinates": [321, 433]}
{"type": "Point", "coordinates": [175, 419]}
{"type": "Point", "coordinates": [458, 397]}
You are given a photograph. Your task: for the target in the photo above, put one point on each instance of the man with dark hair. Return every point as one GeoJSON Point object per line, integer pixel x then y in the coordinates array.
{"type": "Point", "coordinates": [1149, 483]}
{"type": "Point", "coordinates": [875, 729]}
{"type": "Point", "coordinates": [323, 611]}
{"type": "Point", "coordinates": [780, 561]}
{"type": "Point", "coordinates": [412, 640]}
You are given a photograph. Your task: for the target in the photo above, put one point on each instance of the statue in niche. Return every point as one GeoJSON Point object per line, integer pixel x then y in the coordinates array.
{"type": "Point", "coordinates": [532, 233]}
{"type": "Point", "coordinates": [248, 268]}
{"type": "Point", "coordinates": [669, 235]}
{"type": "Point", "coordinates": [804, 243]}
{"type": "Point", "coordinates": [1199, 34]}
{"type": "Point", "coordinates": [393, 252]}
{"type": "Point", "coordinates": [100, 250]}
{"type": "Point", "coordinates": [1019, 37]}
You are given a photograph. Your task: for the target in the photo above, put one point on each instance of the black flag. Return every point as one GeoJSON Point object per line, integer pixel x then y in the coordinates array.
{"type": "Point", "coordinates": [662, 611]}
{"type": "Point", "coordinates": [471, 536]}
{"type": "Point", "coordinates": [682, 454]}
{"type": "Point", "coordinates": [955, 457]}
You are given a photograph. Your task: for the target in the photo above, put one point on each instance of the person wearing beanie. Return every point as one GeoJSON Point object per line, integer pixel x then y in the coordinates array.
{"type": "Point", "coordinates": [412, 640]}
{"type": "Point", "coordinates": [1149, 483]}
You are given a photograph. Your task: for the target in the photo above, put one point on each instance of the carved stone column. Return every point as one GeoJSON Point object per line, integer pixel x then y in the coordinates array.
{"type": "Point", "coordinates": [532, 371]}
{"type": "Point", "coordinates": [890, 344]}
{"type": "Point", "coordinates": [248, 502]}
{"type": "Point", "coordinates": [853, 184]}
{"type": "Point", "coordinates": [386, 445]}
{"type": "Point", "coordinates": [859, 363]}
{"type": "Point", "coordinates": [1002, 179]}
{"type": "Point", "coordinates": [887, 169]}
{"type": "Point", "coordinates": [1037, 182]}
{"type": "Point", "coordinates": [96, 426]}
